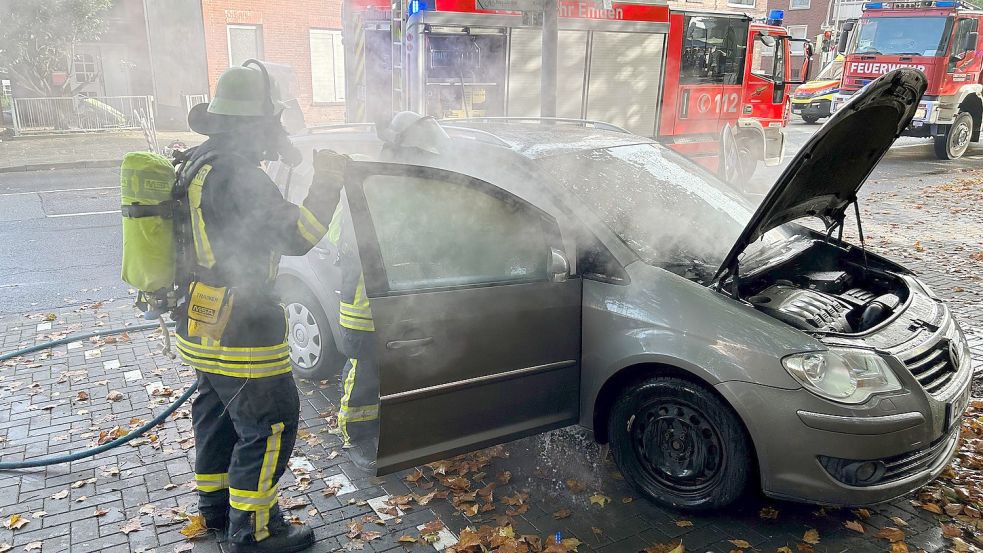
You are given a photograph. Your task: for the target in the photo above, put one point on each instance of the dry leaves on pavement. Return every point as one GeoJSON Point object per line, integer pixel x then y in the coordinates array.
{"type": "Point", "coordinates": [854, 525]}
{"type": "Point", "coordinates": [811, 536]}
{"type": "Point", "coordinates": [132, 525]}
{"type": "Point", "coordinates": [196, 527]}
{"type": "Point", "coordinates": [16, 522]}
{"type": "Point", "coordinates": [891, 534]}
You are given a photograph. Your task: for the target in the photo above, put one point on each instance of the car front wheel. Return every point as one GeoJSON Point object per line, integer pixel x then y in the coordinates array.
{"type": "Point", "coordinates": [810, 119]}
{"type": "Point", "coordinates": [313, 352]}
{"type": "Point", "coordinates": [679, 444]}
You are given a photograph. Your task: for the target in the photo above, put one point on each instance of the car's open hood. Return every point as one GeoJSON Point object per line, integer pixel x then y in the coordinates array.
{"type": "Point", "coordinates": [823, 179]}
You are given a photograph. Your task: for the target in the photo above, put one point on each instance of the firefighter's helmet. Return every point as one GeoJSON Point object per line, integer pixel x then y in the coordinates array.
{"type": "Point", "coordinates": [412, 130]}
{"type": "Point", "coordinates": [243, 94]}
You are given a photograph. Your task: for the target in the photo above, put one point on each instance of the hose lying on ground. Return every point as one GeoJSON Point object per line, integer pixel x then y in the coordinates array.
{"type": "Point", "coordinates": [67, 458]}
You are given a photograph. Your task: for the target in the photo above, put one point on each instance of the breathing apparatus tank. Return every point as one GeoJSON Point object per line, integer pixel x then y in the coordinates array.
{"type": "Point", "coordinates": [149, 252]}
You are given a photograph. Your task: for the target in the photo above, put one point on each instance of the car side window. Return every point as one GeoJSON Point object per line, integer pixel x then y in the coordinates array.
{"type": "Point", "coordinates": [435, 233]}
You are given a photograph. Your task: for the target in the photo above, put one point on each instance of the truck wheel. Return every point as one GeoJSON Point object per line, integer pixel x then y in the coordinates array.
{"type": "Point", "coordinates": [955, 141]}
{"type": "Point", "coordinates": [737, 162]}
{"type": "Point", "coordinates": [810, 119]}
{"type": "Point", "coordinates": [313, 351]}
{"type": "Point", "coordinates": [679, 444]}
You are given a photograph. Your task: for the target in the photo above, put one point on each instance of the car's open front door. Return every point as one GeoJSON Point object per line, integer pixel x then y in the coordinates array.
{"type": "Point", "coordinates": [477, 318]}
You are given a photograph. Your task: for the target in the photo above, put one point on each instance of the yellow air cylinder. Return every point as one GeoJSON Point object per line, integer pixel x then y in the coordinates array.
{"type": "Point", "coordinates": [146, 181]}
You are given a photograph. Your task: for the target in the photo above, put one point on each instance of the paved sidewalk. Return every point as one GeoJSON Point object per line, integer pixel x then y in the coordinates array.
{"type": "Point", "coordinates": [79, 150]}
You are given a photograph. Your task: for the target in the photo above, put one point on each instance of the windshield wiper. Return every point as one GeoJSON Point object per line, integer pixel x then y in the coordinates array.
{"type": "Point", "coordinates": [873, 51]}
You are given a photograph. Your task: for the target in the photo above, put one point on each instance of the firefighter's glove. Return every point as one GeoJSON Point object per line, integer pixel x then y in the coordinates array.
{"type": "Point", "coordinates": [329, 169]}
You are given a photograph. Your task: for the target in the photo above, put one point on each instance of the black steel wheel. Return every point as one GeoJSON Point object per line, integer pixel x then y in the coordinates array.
{"type": "Point", "coordinates": [810, 119]}
{"type": "Point", "coordinates": [679, 444]}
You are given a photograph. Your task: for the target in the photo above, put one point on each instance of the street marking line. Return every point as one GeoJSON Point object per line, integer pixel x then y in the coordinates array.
{"type": "Point", "coordinates": [57, 190]}
{"type": "Point", "coordinates": [81, 214]}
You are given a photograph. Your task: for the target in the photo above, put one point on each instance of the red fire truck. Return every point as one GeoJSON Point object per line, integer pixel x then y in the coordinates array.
{"type": "Point", "coordinates": [942, 39]}
{"type": "Point", "coordinates": [712, 86]}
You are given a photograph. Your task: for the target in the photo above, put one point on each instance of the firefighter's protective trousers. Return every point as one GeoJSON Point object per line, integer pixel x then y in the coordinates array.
{"type": "Point", "coordinates": [358, 415]}
{"type": "Point", "coordinates": [245, 416]}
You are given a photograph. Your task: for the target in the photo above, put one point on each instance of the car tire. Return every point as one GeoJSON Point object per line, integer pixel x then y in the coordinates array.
{"type": "Point", "coordinates": [810, 119]}
{"type": "Point", "coordinates": [313, 352]}
{"type": "Point", "coordinates": [954, 143]}
{"type": "Point", "coordinates": [679, 444]}
{"type": "Point", "coordinates": [737, 162]}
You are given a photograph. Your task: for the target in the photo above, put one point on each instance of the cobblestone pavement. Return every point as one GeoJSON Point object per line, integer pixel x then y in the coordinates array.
{"type": "Point", "coordinates": [134, 498]}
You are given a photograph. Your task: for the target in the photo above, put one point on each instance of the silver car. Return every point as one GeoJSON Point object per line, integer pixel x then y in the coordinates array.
{"type": "Point", "coordinates": [536, 275]}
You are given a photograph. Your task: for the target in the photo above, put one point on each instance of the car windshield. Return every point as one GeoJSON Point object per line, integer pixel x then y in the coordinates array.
{"type": "Point", "coordinates": [832, 71]}
{"type": "Point", "coordinates": [911, 36]}
{"type": "Point", "coordinates": [666, 209]}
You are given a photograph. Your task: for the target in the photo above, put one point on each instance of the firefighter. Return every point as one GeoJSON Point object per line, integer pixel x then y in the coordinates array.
{"type": "Point", "coordinates": [232, 328]}
{"type": "Point", "coordinates": [407, 137]}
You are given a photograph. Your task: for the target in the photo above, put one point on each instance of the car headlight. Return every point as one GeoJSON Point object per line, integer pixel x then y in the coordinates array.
{"type": "Point", "coordinates": [841, 374]}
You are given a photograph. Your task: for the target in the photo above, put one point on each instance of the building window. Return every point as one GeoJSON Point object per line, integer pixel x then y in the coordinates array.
{"type": "Point", "coordinates": [798, 31]}
{"type": "Point", "coordinates": [84, 67]}
{"type": "Point", "coordinates": [327, 66]}
{"type": "Point", "coordinates": [799, 4]}
{"type": "Point", "coordinates": [245, 42]}
{"type": "Point", "coordinates": [743, 3]}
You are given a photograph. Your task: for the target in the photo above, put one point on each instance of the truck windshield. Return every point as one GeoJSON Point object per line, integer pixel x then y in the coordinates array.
{"type": "Point", "coordinates": [901, 36]}
{"type": "Point", "coordinates": [666, 209]}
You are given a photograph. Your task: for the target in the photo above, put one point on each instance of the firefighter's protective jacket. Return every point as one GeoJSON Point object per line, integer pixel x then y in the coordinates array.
{"type": "Point", "coordinates": [240, 225]}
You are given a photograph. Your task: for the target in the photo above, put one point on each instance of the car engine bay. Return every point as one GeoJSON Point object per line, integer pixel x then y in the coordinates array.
{"type": "Point", "coordinates": [828, 289]}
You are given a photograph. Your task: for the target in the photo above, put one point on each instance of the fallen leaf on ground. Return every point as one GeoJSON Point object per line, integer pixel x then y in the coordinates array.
{"type": "Point", "coordinates": [576, 486]}
{"type": "Point", "coordinates": [784, 549]}
{"type": "Point", "coordinates": [891, 534]}
{"type": "Point", "coordinates": [60, 495]}
{"type": "Point", "coordinates": [899, 547]}
{"type": "Point", "coordinates": [804, 547]}
{"type": "Point", "coordinates": [406, 539]}
{"type": "Point", "coordinates": [114, 395]}
{"type": "Point", "coordinates": [33, 546]}
{"type": "Point", "coordinates": [665, 548]}
{"type": "Point", "coordinates": [4, 547]}
{"type": "Point", "coordinates": [82, 396]}
{"type": "Point", "coordinates": [899, 521]}
{"type": "Point", "coordinates": [183, 547]}
{"type": "Point", "coordinates": [959, 545]}
{"type": "Point", "coordinates": [951, 531]}
{"type": "Point", "coordinates": [195, 528]}
{"type": "Point", "coordinates": [769, 513]}
{"type": "Point", "coordinates": [562, 513]}
{"type": "Point", "coordinates": [38, 514]}
{"type": "Point", "coordinates": [811, 536]}
{"type": "Point", "coordinates": [863, 513]}
{"type": "Point", "coordinates": [743, 544]}
{"type": "Point", "coordinates": [598, 499]}
{"type": "Point", "coordinates": [932, 508]}
{"type": "Point", "coordinates": [100, 512]}
{"type": "Point", "coordinates": [953, 509]}
{"type": "Point", "coordinates": [505, 476]}
{"type": "Point", "coordinates": [684, 523]}
{"type": "Point", "coordinates": [15, 522]}
{"type": "Point", "coordinates": [854, 525]}
{"type": "Point", "coordinates": [290, 503]}
{"type": "Point", "coordinates": [131, 525]}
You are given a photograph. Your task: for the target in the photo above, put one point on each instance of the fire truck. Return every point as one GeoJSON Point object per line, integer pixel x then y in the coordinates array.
{"type": "Point", "coordinates": [942, 39]}
{"type": "Point", "coordinates": [713, 86]}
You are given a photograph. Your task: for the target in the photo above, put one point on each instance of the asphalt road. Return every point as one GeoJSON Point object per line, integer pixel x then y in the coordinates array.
{"type": "Point", "coordinates": [62, 241]}
{"type": "Point", "coordinates": [61, 238]}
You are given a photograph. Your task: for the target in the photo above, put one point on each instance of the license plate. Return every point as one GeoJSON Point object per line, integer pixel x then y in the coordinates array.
{"type": "Point", "coordinates": [954, 410]}
{"type": "Point", "coordinates": [796, 109]}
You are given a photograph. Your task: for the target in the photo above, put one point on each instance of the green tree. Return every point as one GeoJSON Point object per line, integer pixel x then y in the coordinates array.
{"type": "Point", "coordinates": [38, 38]}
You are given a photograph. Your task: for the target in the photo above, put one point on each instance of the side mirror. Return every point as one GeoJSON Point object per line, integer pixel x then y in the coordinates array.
{"type": "Point", "coordinates": [767, 40]}
{"type": "Point", "coordinates": [559, 267]}
{"type": "Point", "coordinates": [841, 44]}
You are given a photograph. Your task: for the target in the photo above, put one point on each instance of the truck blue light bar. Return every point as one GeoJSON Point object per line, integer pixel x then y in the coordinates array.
{"type": "Point", "coordinates": [912, 4]}
{"type": "Point", "coordinates": [775, 17]}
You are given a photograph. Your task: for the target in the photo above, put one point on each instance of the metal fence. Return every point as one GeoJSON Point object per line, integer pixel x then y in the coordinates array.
{"type": "Point", "coordinates": [192, 100]}
{"type": "Point", "coordinates": [80, 113]}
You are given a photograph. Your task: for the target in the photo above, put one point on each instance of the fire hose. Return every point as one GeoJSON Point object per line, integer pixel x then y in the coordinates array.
{"type": "Point", "coordinates": [67, 458]}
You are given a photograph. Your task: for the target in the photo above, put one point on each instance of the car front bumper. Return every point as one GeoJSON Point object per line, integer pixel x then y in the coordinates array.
{"type": "Point", "coordinates": [812, 107]}
{"type": "Point", "coordinates": [806, 446]}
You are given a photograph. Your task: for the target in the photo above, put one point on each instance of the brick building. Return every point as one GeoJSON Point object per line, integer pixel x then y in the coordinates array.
{"type": "Point", "coordinates": [754, 8]}
{"type": "Point", "coordinates": [302, 35]}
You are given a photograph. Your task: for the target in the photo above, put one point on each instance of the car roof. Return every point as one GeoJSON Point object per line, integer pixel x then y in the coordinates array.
{"type": "Point", "coordinates": [536, 139]}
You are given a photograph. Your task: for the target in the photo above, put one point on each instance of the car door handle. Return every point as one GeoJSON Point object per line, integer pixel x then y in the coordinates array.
{"type": "Point", "coordinates": [400, 344]}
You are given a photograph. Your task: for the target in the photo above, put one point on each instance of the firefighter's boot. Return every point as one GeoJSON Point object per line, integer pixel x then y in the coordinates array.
{"type": "Point", "coordinates": [284, 537]}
